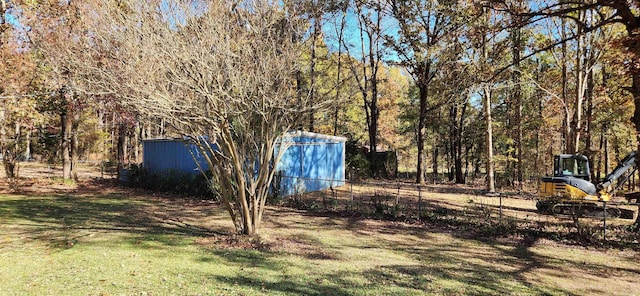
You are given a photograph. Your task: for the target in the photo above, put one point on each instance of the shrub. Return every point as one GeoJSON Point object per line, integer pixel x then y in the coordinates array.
{"type": "Point", "coordinates": [195, 185]}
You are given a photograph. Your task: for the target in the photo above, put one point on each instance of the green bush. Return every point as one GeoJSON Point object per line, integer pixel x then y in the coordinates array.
{"type": "Point", "coordinates": [358, 166]}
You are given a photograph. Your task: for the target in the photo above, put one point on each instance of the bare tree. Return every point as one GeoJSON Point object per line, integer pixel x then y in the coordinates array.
{"type": "Point", "coordinates": [369, 16]}
{"type": "Point", "coordinates": [425, 33]}
{"type": "Point", "coordinates": [339, 27]}
{"type": "Point", "coordinates": [220, 74]}
{"type": "Point", "coordinates": [56, 33]}
{"type": "Point", "coordinates": [576, 58]}
{"type": "Point", "coordinates": [517, 44]}
{"type": "Point", "coordinates": [487, 54]}
{"type": "Point", "coordinates": [3, 111]}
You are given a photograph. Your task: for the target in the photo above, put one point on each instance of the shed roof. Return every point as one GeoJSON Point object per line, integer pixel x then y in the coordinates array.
{"type": "Point", "coordinates": [290, 134]}
{"type": "Point", "coordinates": [316, 136]}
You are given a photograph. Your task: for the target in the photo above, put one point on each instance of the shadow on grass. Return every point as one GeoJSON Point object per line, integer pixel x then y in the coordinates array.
{"type": "Point", "coordinates": [318, 286]}
{"type": "Point", "coordinates": [61, 221]}
{"type": "Point", "coordinates": [482, 222]}
{"type": "Point", "coordinates": [437, 272]}
{"type": "Point", "coordinates": [512, 249]}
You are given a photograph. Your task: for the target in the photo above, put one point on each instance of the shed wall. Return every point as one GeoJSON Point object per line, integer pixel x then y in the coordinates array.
{"type": "Point", "coordinates": [313, 162]}
{"type": "Point", "coordinates": [166, 155]}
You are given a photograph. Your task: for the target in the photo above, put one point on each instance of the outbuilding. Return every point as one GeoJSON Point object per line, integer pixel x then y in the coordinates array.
{"type": "Point", "coordinates": [312, 162]}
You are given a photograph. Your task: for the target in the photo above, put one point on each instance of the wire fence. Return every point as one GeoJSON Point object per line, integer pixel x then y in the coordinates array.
{"type": "Point", "coordinates": [386, 195]}
{"type": "Point", "coordinates": [450, 204]}
{"type": "Point", "coordinates": [445, 204]}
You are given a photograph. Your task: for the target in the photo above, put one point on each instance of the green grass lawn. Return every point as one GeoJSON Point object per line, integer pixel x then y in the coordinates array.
{"type": "Point", "coordinates": [125, 244]}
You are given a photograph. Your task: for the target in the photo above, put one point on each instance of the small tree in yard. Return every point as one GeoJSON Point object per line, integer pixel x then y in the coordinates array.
{"type": "Point", "coordinates": [224, 69]}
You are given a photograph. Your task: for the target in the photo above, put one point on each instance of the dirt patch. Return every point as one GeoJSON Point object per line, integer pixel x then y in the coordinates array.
{"type": "Point", "coordinates": [232, 242]}
{"type": "Point", "coordinates": [283, 245]}
{"type": "Point", "coordinates": [24, 185]}
{"type": "Point", "coordinates": [300, 247]}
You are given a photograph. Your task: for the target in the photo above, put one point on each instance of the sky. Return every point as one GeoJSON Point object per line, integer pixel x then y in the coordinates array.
{"type": "Point", "coordinates": [351, 35]}
{"type": "Point", "coordinates": [10, 18]}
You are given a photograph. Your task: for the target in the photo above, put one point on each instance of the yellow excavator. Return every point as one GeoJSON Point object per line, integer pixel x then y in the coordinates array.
{"type": "Point", "coordinates": [570, 190]}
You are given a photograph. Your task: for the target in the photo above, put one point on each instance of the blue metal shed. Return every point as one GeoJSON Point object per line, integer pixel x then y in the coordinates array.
{"type": "Point", "coordinates": [312, 161]}
{"type": "Point", "coordinates": [161, 155]}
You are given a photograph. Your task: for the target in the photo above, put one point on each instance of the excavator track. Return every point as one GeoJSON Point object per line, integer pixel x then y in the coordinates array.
{"type": "Point", "coordinates": [579, 209]}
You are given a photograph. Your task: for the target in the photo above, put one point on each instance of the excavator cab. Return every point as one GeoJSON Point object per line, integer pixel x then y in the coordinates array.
{"type": "Point", "coordinates": [570, 182]}
{"type": "Point", "coordinates": [573, 165]}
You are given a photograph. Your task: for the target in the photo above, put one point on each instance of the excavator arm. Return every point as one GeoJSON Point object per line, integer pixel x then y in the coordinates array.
{"type": "Point", "coordinates": [622, 170]}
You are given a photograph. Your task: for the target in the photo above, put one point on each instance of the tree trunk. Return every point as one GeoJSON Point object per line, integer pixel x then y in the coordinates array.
{"type": "Point", "coordinates": [312, 69]}
{"type": "Point", "coordinates": [374, 111]}
{"type": "Point", "coordinates": [457, 163]}
{"type": "Point", "coordinates": [422, 119]}
{"type": "Point", "coordinates": [449, 159]}
{"type": "Point", "coordinates": [467, 149]}
{"type": "Point", "coordinates": [607, 161]}
{"type": "Point", "coordinates": [373, 135]}
{"type": "Point", "coordinates": [3, 136]}
{"type": "Point", "coordinates": [113, 139]}
{"type": "Point", "coordinates": [65, 120]}
{"type": "Point", "coordinates": [136, 143]}
{"type": "Point", "coordinates": [436, 155]}
{"type": "Point", "coordinates": [163, 130]}
{"type": "Point", "coordinates": [477, 166]}
{"type": "Point", "coordinates": [600, 151]}
{"type": "Point", "coordinates": [295, 38]}
{"type": "Point", "coordinates": [74, 146]}
{"type": "Point", "coordinates": [589, 125]}
{"type": "Point", "coordinates": [369, 78]}
{"type": "Point", "coordinates": [336, 111]}
{"type": "Point", "coordinates": [121, 147]}
{"type": "Point", "coordinates": [453, 116]}
{"type": "Point", "coordinates": [101, 127]}
{"type": "Point", "coordinates": [566, 126]}
{"type": "Point", "coordinates": [538, 159]}
{"type": "Point", "coordinates": [491, 183]}
{"type": "Point", "coordinates": [517, 100]}
{"type": "Point", "coordinates": [491, 187]}
{"type": "Point", "coordinates": [580, 87]}
{"type": "Point", "coordinates": [11, 153]}
{"type": "Point", "coordinates": [27, 147]}
{"type": "Point", "coordinates": [635, 90]}
{"type": "Point", "coordinates": [455, 140]}
{"type": "Point", "coordinates": [633, 45]}
{"type": "Point", "coordinates": [460, 179]}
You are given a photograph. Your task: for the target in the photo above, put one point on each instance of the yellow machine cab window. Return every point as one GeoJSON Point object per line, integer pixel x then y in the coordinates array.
{"type": "Point", "coordinates": [572, 165]}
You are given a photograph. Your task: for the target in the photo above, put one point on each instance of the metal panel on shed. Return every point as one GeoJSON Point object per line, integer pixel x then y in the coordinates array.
{"type": "Point", "coordinates": [314, 162]}
{"type": "Point", "coordinates": [166, 155]}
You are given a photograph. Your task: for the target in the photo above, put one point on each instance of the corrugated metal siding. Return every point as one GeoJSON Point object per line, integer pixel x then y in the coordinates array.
{"type": "Point", "coordinates": [165, 155]}
{"type": "Point", "coordinates": [314, 162]}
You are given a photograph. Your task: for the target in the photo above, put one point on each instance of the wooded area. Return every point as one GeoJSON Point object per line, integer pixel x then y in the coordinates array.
{"type": "Point", "coordinates": [468, 90]}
